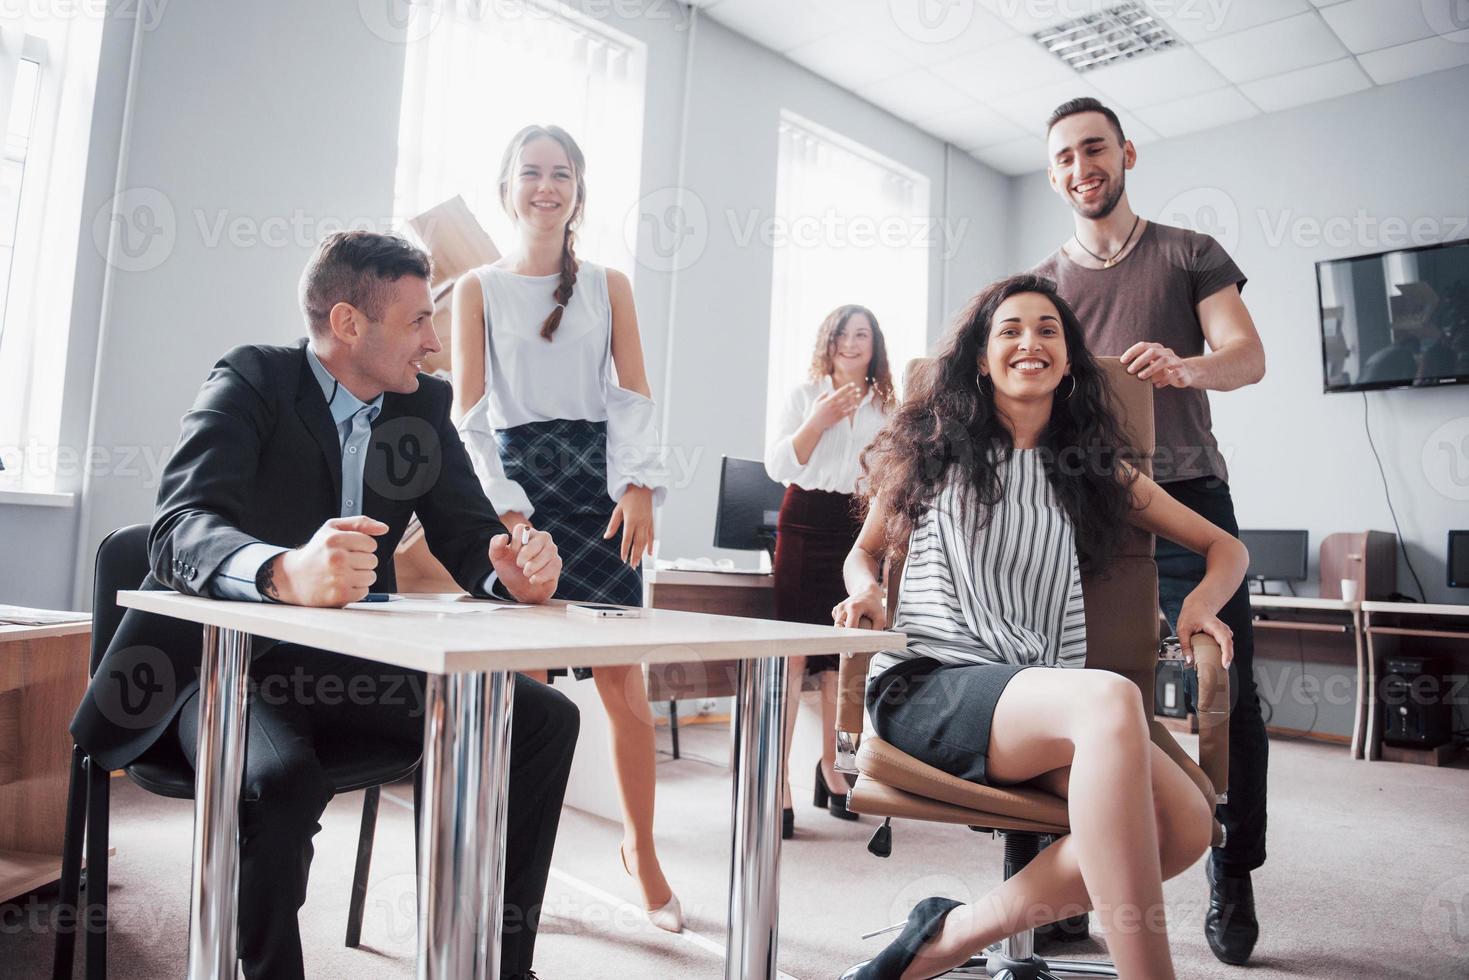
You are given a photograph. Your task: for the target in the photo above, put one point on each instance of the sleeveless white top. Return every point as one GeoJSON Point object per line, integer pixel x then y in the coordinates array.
{"type": "Point", "coordinates": [571, 376]}
{"type": "Point", "coordinates": [1010, 593]}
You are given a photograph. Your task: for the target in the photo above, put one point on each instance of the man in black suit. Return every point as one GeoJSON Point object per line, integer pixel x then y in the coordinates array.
{"type": "Point", "coordinates": [296, 473]}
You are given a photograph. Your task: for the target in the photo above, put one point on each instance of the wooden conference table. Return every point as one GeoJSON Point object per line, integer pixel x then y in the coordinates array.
{"type": "Point", "coordinates": [469, 660]}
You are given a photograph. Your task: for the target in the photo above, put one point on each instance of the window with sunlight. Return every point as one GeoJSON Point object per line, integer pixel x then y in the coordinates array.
{"type": "Point", "coordinates": [477, 73]}
{"type": "Point", "coordinates": [48, 74]}
{"type": "Point", "coordinates": [851, 227]}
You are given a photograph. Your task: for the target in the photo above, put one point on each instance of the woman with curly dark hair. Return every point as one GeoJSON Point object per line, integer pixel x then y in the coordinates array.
{"type": "Point", "coordinates": [816, 450]}
{"type": "Point", "coordinates": [1000, 476]}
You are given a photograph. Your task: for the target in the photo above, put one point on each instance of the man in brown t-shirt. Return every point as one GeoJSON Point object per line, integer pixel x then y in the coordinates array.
{"type": "Point", "coordinates": [1155, 296]}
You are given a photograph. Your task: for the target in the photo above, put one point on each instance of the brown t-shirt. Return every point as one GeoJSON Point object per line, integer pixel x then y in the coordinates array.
{"type": "Point", "coordinates": [1153, 294]}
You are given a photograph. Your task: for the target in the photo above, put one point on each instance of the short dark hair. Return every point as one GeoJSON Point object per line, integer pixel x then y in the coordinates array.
{"type": "Point", "coordinates": [356, 267]}
{"type": "Point", "coordinates": [1073, 107]}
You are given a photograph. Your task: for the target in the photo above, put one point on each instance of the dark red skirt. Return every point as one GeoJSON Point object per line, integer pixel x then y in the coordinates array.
{"type": "Point", "coordinates": [815, 533]}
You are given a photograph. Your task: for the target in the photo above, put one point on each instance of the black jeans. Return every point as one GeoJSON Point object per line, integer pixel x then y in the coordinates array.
{"type": "Point", "coordinates": [285, 789]}
{"type": "Point", "coordinates": [1179, 571]}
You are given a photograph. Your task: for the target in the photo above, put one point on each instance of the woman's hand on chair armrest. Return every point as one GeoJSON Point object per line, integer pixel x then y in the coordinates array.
{"type": "Point", "coordinates": [866, 604]}
{"type": "Point", "coordinates": [1191, 620]}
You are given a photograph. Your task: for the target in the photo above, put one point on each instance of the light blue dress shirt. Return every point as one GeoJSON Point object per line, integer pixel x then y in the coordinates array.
{"type": "Point", "coordinates": [353, 419]}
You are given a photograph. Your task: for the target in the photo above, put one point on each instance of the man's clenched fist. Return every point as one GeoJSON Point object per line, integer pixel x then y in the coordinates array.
{"type": "Point", "coordinates": [337, 566]}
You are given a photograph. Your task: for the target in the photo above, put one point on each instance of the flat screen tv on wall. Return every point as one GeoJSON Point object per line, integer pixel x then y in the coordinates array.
{"type": "Point", "coordinates": [1397, 319]}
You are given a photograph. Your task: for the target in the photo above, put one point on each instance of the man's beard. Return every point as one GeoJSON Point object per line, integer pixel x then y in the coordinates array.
{"type": "Point", "coordinates": [1109, 203]}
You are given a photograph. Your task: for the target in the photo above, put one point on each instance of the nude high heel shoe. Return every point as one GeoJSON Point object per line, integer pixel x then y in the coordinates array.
{"type": "Point", "coordinates": [669, 915]}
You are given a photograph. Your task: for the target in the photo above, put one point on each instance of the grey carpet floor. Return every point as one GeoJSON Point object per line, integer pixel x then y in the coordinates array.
{"type": "Point", "coordinates": [1368, 877]}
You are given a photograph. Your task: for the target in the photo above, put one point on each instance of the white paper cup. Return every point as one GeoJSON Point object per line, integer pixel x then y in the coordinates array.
{"type": "Point", "coordinates": [1349, 590]}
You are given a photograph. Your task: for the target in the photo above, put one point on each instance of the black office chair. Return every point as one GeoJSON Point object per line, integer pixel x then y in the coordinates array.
{"type": "Point", "coordinates": [352, 763]}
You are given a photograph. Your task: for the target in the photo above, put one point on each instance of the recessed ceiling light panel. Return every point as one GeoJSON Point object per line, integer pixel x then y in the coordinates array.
{"type": "Point", "coordinates": [1127, 30]}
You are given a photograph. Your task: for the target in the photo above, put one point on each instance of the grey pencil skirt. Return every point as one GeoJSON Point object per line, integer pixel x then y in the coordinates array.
{"type": "Point", "coordinates": [940, 713]}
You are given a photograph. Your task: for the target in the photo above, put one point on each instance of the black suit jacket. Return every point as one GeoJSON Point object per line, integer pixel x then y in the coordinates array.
{"type": "Point", "coordinates": [259, 460]}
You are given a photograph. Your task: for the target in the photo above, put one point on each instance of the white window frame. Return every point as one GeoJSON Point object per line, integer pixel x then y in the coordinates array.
{"type": "Point", "coordinates": [17, 334]}
{"type": "Point", "coordinates": [37, 315]}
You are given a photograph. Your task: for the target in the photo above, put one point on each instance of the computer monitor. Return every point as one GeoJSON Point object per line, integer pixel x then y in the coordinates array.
{"type": "Point", "coordinates": [1276, 556]}
{"type": "Point", "coordinates": [1458, 559]}
{"type": "Point", "coordinates": [749, 506]}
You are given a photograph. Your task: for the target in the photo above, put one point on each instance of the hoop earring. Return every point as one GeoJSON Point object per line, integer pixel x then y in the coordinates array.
{"type": "Point", "coordinates": [1073, 389]}
{"type": "Point", "coordinates": [979, 381]}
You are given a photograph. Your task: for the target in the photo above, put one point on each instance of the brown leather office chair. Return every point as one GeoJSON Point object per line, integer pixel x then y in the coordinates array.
{"type": "Point", "coordinates": [1122, 636]}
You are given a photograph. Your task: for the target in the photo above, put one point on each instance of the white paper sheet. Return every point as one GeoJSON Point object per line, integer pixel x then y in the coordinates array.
{"type": "Point", "coordinates": [454, 606]}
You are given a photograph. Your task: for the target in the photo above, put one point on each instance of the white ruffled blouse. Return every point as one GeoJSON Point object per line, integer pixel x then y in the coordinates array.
{"type": "Point", "coordinates": [529, 379]}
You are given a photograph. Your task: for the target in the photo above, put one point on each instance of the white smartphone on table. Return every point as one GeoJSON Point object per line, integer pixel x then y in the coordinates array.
{"type": "Point", "coordinates": [593, 610]}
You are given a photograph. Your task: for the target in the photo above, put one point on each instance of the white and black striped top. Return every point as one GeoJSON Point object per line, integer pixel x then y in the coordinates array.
{"type": "Point", "coordinates": [1010, 593]}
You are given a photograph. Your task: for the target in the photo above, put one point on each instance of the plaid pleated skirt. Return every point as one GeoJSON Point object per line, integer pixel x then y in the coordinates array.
{"type": "Point", "coordinates": [562, 467]}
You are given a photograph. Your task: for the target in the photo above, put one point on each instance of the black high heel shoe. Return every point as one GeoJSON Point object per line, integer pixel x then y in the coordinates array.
{"type": "Point", "coordinates": [924, 922]}
{"type": "Point", "coordinates": [835, 803]}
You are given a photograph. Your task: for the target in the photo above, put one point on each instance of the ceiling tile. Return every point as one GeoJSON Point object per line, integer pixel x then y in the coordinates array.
{"type": "Point", "coordinates": [1198, 112]}
{"type": "Point", "coordinates": [777, 24]}
{"type": "Point", "coordinates": [1022, 156]}
{"type": "Point", "coordinates": [1366, 25]}
{"type": "Point", "coordinates": [922, 31]}
{"type": "Point", "coordinates": [1280, 46]}
{"type": "Point", "coordinates": [1031, 107]}
{"type": "Point", "coordinates": [1306, 85]}
{"type": "Point", "coordinates": [1027, 18]}
{"type": "Point", "coordinates": [1195, 20]}
{"type": "Point", "coordinates": [1134, 128]}
{"type": "Point", "coordinates": [974, 126]}
{"type": "Point", "coordinates": [849, 59]}
{"type": "Point", "coordinates": [1156, 78]}
{"type": "Point", "coordinates": [1416, 58]}
{"type": "Point", "coordinates": [916, 96]}
{"type": "Point", "coordinates": [1004, 68]}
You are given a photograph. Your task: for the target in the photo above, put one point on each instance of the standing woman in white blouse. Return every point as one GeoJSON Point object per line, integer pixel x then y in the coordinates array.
{"type": "Point", "coordinates": [552, 399]}
{"type": "Point", "coordinates": [816, 453]}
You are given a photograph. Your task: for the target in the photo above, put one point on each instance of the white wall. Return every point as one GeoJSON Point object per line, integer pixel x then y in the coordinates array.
{"type": "Point", "coordinates": [1380, 169]}
{"type": "Point", "coordinates": [283, 117]}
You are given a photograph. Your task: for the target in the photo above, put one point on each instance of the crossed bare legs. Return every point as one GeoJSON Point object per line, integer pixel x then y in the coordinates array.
{"type": "Point", "coordinates": [1136, 819]}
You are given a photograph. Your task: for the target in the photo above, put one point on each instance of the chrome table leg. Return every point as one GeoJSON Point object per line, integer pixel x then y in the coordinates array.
{"type": "Point", "coordinates": [754, 865]}
{"type": "Point", "coordinates": [466, 775]}
{"type": "Point", "coordinates": [219, 770]}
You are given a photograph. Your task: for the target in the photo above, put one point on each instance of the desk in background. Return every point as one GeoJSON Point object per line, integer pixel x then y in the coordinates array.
{"type": "Point", "coordinates": [1324, 618]}
{"type": "Point", "coordinates": [43, 674]}
{"type": "Point", "coordinates": [1384, 623]}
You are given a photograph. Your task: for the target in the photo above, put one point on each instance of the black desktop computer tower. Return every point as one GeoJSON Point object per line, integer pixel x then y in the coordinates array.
{"type": "Point", "coordinates": [1416, 710]}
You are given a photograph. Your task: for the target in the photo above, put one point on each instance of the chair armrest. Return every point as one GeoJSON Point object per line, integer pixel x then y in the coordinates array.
{"type": "Point", "coordinates": [1213, 712]}
{"type": "Point", "coordinates": [851, 707]}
